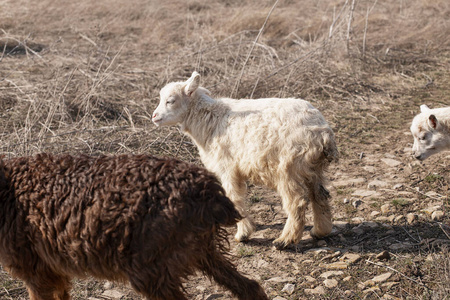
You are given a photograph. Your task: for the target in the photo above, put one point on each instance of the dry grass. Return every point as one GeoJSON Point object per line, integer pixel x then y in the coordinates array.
{"type": "Point", "coordinates": [84, 76]}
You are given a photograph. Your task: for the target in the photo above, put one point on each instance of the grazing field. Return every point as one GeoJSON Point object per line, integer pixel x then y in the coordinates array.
{"type": "Point", "coordinates": [84, 77]}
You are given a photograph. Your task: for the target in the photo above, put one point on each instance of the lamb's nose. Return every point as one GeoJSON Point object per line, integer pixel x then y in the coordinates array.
{"type": "Point", "coordinates": [419, 157]}
{"type": "Point", "coordinates": [155, 115]}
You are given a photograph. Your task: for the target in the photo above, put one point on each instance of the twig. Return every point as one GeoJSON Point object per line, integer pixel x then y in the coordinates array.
{"type": "Point", "coordinates": [426, 194]}
{"type": "Point", "coordinates": [445, 232]}
{"type": "Point", "coordinates": [236, 87]}
{"type": "Point", "coordinates": [349, 27]}
{"type": "Point", "coordinates": [392, 269]}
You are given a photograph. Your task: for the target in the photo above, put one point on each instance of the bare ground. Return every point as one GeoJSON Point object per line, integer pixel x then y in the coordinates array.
{"type": "Point", "coordinates": [84, 77]}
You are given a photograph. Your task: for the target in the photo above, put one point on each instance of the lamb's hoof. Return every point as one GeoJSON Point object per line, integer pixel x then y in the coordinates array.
{"type": "Point", "coordinates": [242, 239]}
{"type": "Point", "coordinates": [317, 236]}
{"type": "Point", "coordinates": [279, 245]}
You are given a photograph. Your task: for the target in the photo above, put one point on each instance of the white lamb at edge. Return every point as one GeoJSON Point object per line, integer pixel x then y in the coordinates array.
{"type": "Point", "coordinates": [285, 144]}
{"type": "Point", "coordinates": [431, 131]}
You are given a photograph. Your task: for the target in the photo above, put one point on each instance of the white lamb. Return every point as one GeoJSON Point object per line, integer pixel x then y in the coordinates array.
{"type": "Point", "coordinates": [431, 131]}
{"type": "Point", "coordinates": [285, 144]}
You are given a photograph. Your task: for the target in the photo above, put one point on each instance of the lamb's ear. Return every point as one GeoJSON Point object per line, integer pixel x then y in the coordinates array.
{"type": "Point", "coordinates": [192, 84]}
{"type": "Point", "coordinates": [424, 108]}
{"type": "Point", "coordinates": [432, 121]}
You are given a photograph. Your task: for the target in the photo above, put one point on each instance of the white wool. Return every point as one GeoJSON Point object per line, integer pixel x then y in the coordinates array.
{"type": "Point", "coordinates": [431, 131]}
{"type": "Point", "coordinates": [284, 144]}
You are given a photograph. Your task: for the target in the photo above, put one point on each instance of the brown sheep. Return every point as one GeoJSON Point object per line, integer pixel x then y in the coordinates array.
{"type": "Point", "coordinates": [131, 218]}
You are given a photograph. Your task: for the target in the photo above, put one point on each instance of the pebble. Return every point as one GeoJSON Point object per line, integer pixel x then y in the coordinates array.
{"type": "Point", "coordinates": [358, 230]}
{"type": "Point", "coordinates": [399, 219]}
{"type": "Point", "coordinates": [382, 278]}
{"type": "Point", "coordinates": [431, 210]}
{"type": "Point", "coordinates": [437, 215]}
{"type": "Point", "coordinates": [348, 293]}
{"type": "Point", "coordinates": [357, 203]}
{"type": "Point", "coordinates": [377, 184]}
{"type": "Point", "coordinates": [411, 218]}
{"type": "Point", "coordinates": [348, 278]}
{"type": "Point", "coordinates": [365, 193]}
{"type": "Point", "coordinates": [374, 214]}
{"type": "Point", "coordinates": [398, 186]}
{"type": "Point", "coordinates": [350, 258]}
{"type": "Point", "coordinates": [320, 290]}
{"type": "Point", "coordinates": [289, 288]}
{"type": "Point", "coordinates": [330, 274]}
{"type": "Point", "coordinates": [279, 298]}
{"type": "Point", "coordinates": [330, 283]}
{"type": "Point", "coordinates": [358, 220]}
{"type": "Point", "coordinates": [346, 201]}
{"type": "Point", "coordinates": [309, 278]}
{"type": "Point", "coordinates": [373, 289]}
{"type": "Point", "coordinates": [385, 255]}
{"type": "Point", "coordinates": [321, 243]}
{"type": "Point", "coordinates": [385, 209]}
{"type": "Point", "coordinates": [281, 279]}
{"type": "Point", "coordinates": [113, 294]}
{"type": "Point", "coordinates": [335, 266]}
{"type": "Point", "coordinates": [391, 162]}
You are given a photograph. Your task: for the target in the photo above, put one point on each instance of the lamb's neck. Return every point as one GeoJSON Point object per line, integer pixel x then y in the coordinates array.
{"type": "Point", "coordinates": [204, 120]}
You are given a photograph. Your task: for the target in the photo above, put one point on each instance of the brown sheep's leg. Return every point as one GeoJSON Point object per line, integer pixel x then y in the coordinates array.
{"type": "Point", "coordinates": [225, 274]}
{"type": "Point", "coordinates": [48, 287]}
{"type": "Point", "coordinates": [159, 287]}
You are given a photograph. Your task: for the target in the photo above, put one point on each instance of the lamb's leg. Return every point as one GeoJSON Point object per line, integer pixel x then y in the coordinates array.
{"type": "Point", "coordinates": [295, 207]}
{"type": "Point", "coordinates": [236, 191]}
{"type": "Point", "coordinates": [321, 211]}
{"type": "Point", "coordinates": [225, 274]}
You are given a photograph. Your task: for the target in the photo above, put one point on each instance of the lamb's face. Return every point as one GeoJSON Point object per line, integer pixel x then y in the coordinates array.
{"type": "Point", "coordinates": [172, 105]}
{"type": "Point", "coordinates": [427, 140]}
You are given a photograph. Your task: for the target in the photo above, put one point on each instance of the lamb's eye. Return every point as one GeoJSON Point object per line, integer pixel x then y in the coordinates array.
{"type": "Point", "coordinates": [170, 101]}
{"type": "Point", "coordinates": [422, 137]}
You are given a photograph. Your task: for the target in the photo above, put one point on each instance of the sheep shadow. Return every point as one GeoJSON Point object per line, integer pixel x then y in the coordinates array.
{"type": "Point", "coordinates": [367, 237]}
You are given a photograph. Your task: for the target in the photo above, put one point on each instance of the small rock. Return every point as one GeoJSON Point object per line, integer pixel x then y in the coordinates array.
{"type": "Point", "coordinates": [377, 184]}
{"type": "Point", "coordinates": [411, 218]}
{"type": "Point", "coordinates": [438, 215]}
{"type": "Point", "coordinates": [385, 255]}
{"type": "Point", "coordinates": [335, 266]}
{"type": "Point", "coordinates": [330, 274]}
{"type": "Point", "coordinates": [391, 218]}
{"type": "Point", "coordinates": [346, 201]}
{"type": "Point", "coordinates": [399, 219]}
{"type": "Point", "coordinates": [289, 288]}
{"type": "Point", "coordinates": [108, 285]}
{"type": "Point", "coordinates": [365, 193]}
{"type": "Point", "coordinates": [374, 214]}
{"type": "Point", "coordinates": [399, 246]}
{"type": "Point", "coordinates": [341, 224]}
{"type": "Point", "coordinates": [350, 258]}
{"type": "Point", "coordinates": [391, 162]}
{"type": "Point", "coordinates": [369, 169]}
{"type": "Point", "coordinates": [397, 186]}
{"type": "Point", "coordinates": [389, 285]}
{"type": "Point", "coordinates": [309, 278]}
{"type": "Point", "coordinates": [431, 210]}
{"type": "Point", "coordinates": [373, 289]}
{"type": "Point", "coordinates": [385, 209]}
{"type": "Point", "coordinates": [281, 279]}
{"type": "Point", "coordinates": [320, 290]}
{"type": "Point", "coordinates": [371, 224]}
{"type": "Point", "coordinates": [279, 298]}
{"type": "Point", "coordinates": [382, 278]}
{"type": "Point", "coordinates": [330, 283]}
{"type": "Point", "coordinates": [113, 294]}
{"type": "Point", "coordinates": [382, 219]}
{"type": "Point", "coordinates": [348, 293]}
{"type": "Point", "coordinates": [357, 203]}
{"type": "Point", "coordinates": [358, 220]}
{"type": "Point", "coordinates": [347, 278]}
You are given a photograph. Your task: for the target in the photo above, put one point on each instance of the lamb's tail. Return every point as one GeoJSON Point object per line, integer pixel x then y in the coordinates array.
{"type": "Point", "coordinates": [330, 149]}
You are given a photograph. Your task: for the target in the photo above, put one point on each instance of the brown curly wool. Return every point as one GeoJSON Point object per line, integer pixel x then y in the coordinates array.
{"type": "Point", "coordinates": [133, 218]}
